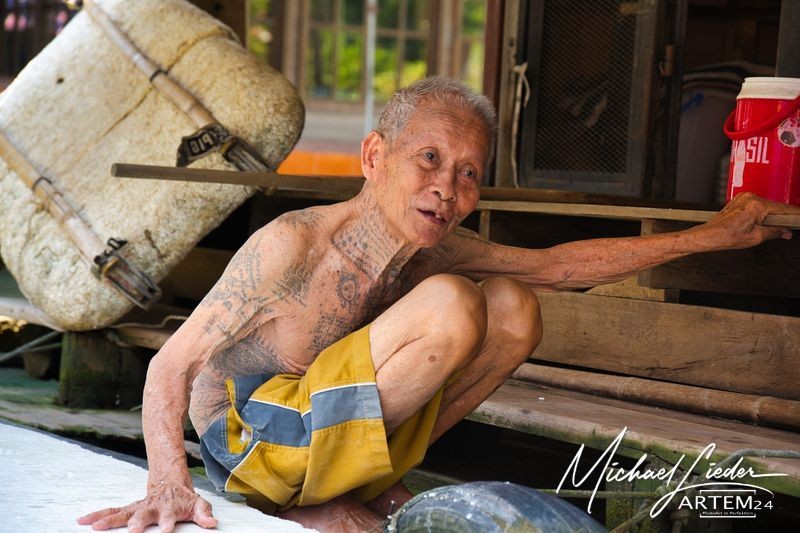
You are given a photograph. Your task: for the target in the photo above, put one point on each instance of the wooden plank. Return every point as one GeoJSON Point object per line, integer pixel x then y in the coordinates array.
{"type": "Point", "coordinates": [719, 348]}
{"type": "Point", "coordinates": [769, 269]}
{"type": "Point", "coordinates": [146, 337]}
{"type": "Point", "coordinates": [87, 423]}
{"type": "Point", "coordinates": [348, 186]}
{"type": "Point", "coordinates": [622, 212]}
{"type": "Point", "coordinates": [31, 402]}
{"type": "Point", "coordinates": [630, 288]}
{"type": "Point", "coordinates": [750, 408]}
{"type": "Point", "coordinates": [485, 224]}
{"type": "Point", "coordinates": [594, 421]}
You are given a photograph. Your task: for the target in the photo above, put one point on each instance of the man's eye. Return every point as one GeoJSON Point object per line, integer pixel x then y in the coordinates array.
{"type": "Point", "coordinates": [430, 156]}
{"type": "Point", "coordinates": [471, 174]}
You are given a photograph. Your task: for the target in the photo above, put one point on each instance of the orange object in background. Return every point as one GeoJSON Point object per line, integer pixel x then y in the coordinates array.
{"type": "Point", "coordinates": [321, 164]}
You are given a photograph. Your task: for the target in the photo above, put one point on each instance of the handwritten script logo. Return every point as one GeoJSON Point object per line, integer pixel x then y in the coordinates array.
{"type": "Point", "coordinates": [606, 468]}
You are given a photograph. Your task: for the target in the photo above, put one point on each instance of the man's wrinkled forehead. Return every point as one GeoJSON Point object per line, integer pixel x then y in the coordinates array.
{"type": "Point", "coordinates": [430, 111]}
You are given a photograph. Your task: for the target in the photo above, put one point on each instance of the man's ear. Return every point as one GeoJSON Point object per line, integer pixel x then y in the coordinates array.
{"type": "Point", "coordinates": [372, 150]}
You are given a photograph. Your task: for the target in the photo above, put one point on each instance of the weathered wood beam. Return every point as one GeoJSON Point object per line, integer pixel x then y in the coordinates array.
{"type": "Point", "coordinates": [719, 348]}
{"type": "Point", "coordinates": [762, 410]}
{"type": "Point", "coordinates": [630, 288]}
{"type": "Point", "coordinates": [769, 269]}
{"type": "Point", "coordinates": [593, 421]}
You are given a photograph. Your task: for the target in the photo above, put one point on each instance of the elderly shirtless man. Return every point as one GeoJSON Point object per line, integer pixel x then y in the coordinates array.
{"type": "Point", "coordinates": [342, 340]}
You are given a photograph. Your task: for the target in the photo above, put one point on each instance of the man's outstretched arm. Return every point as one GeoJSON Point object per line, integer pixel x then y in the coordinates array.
{"type": "Point", "coordinates": [238, 303]}
{"type": "Point", "coordinates": [582, 264]}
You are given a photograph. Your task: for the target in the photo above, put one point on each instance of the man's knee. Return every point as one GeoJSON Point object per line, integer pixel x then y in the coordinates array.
{"type": "Point", "coordinates": [513, 306]}
{"type": "Point", "coordinates": [457, 309]}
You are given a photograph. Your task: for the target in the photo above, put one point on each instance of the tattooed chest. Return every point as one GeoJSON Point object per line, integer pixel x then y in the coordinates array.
{"type": "Point", "coordinates": [352, 304]}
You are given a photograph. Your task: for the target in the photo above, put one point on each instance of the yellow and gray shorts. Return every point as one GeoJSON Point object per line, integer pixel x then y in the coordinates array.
{"type": "Point", "coordinates": [303, 440]}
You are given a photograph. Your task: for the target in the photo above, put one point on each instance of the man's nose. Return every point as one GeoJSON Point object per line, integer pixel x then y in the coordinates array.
{"type": "Point", "coordinates": [443, 185]}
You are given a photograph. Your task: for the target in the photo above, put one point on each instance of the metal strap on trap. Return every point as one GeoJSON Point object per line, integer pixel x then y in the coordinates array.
{"type": "Point", "coordinates": [106, 261]}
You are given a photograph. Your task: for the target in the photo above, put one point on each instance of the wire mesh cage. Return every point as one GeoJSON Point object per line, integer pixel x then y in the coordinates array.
{"type": "Point", "coordinates": [586, 125]}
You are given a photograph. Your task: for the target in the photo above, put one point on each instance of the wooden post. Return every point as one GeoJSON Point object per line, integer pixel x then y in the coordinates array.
{"type": "Point", "coordinates": [96, 372]}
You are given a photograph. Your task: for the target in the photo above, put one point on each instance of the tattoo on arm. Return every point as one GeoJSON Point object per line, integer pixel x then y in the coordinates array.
{"type": "Point", "coordinates": [294, 284]}
{"type": "Point", "coordinates": [252, 355]}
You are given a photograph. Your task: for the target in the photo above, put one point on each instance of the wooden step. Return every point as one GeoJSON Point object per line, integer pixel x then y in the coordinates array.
{"type": "Point", "coordinates": [595, 421]}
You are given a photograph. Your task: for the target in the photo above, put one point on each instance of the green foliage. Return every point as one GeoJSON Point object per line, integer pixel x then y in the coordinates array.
{"type": "Point", "coordinates": [259, 35]}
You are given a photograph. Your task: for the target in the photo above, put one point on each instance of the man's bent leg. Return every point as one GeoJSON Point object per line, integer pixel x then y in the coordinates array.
{"type": "Point", "coordinates": [513, 333]}
{"type": "Point", "coordinates": [422, 340]}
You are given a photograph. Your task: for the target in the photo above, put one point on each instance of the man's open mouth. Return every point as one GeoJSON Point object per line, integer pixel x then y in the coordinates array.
{"type": "Point", "coordinates": [433, 216]}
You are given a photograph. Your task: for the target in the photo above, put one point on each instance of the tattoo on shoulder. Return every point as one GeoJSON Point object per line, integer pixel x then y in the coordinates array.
{"type": "Point", "coordinates": [309, 217]}
{"type": "Point", "coordinates": [241, 279]}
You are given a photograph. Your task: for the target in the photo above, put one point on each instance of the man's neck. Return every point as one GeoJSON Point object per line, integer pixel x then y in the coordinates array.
{"type": "Point", "coordinates": [369, 242]}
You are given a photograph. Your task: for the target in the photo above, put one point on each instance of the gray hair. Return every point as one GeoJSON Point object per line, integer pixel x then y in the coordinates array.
{"type": "Point", "coordinates": [439, 89]}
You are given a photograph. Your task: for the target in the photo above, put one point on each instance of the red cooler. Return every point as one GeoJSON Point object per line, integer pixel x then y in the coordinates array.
{"type": "Point", "coordinates": [765, 130]}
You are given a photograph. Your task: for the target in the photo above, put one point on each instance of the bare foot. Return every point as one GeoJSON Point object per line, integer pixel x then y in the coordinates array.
{"type": "Point", "coordinates": [390, 501]}
{"type": "Point", "coordinates": [343, 514]}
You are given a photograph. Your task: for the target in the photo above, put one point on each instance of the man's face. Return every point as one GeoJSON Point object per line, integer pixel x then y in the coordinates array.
{"type": "Point", "coordinates": [429, 178]}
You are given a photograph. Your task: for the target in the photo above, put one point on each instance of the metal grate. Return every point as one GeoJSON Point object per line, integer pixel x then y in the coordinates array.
{"type": "Point", "coordinates": [583, 98]}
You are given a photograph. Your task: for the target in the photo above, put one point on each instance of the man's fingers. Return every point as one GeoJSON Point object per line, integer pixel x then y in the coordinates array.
{"type": "Point", "coordinates": [97, 515]}
{"type": "Point", "coordinates": [166, 522]}
{"type": "Point", "coordinates": [140, 520]}
{"type": "Point", "coordinates": [775, 232]}
{"type": "Point", "coordinates": [202, 514]}
{"type": "Point", "coordinates": [112, 521]}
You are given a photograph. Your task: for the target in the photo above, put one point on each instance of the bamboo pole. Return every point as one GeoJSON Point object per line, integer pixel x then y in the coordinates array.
{"type": "Point", "coordinates": [103, 260]}
{"type": "Point", "coordinates": [211, 135]}
{"type": "Point", "coordinates": [76, 229]}
{"type": "Point", "coordinates": [762, 410]}
{"type": "Point", "coordinates": [184, 100]}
